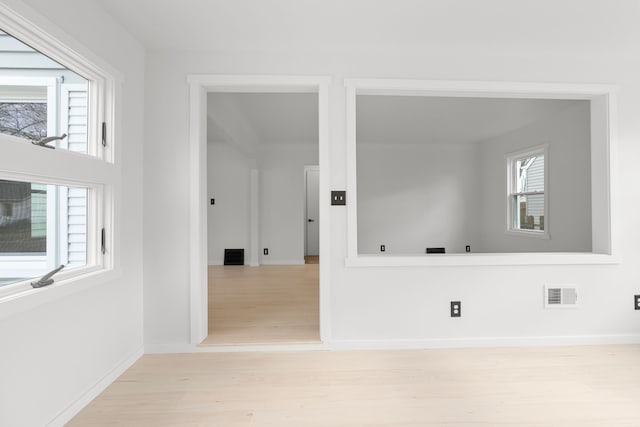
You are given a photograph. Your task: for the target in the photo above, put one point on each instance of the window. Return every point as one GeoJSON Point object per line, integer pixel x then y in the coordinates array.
{"type": "Point", "coordinates": [41, 227]}
{"type": "Point", "coordinates": [527, 207]}
{"type": "Point", "coordinates": [57, 175]}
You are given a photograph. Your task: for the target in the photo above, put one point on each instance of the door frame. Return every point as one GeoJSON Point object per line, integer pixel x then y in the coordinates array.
{"type": "Point", "coordinates": [199, 86]}
{"type": "Point", "coordinates": [308, 168]}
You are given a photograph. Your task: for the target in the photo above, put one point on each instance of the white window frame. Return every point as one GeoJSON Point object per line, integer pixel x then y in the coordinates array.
{"type": "Point", "coordinates": [511, 160]}
{"type": "Point", "coordinates": [97, 170]}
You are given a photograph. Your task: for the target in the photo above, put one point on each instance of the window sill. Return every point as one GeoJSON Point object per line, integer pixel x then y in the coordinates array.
{"type": "Point", "coordinates": [22, 297]}
{"type": "Point", "coordinates": [536, 234]}
{"type": "Point", "coordinates": [477, 259]}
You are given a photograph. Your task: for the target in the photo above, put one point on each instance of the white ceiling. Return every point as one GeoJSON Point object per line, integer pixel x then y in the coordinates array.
{"type": "Point", "coordinates": [410, 25]}
{"type": "Point", "coordinates": [262, 118]}
{"type": "Point", "coordinates": [381, 29]}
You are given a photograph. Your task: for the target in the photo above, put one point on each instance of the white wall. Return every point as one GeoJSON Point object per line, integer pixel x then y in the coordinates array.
{"type": "Point", "coordinates": [282, 201]}
{"type": "Point", "coordinates": [229, 184]}
{"type": "Point", "coordinates": [414, 196]}
{"type": "Point", "coordinates": [493, 41]}
{"type": "Point", "coordinates": [54, 353]}
{"type": "Point", "coordinates": [569, 198]}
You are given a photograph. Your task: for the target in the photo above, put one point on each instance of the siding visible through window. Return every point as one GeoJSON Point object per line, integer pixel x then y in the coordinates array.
{"type": "Point", "coordinates": [77, 226]}
{"type": "Point", "coordinates": [535, 179]}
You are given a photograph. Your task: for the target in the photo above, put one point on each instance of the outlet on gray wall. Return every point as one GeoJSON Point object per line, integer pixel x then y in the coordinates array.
{"type": "Point", "coordinates": [456, 309]}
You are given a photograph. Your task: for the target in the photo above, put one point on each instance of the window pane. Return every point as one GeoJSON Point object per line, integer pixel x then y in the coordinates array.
{"type": "Point", "coordinates": [40, 97]}
{"type": "Point", "coordinates": [530, 174]}
{"type": "Point", "coordinates": [529, 212]}
{"type": "Point", "coordinates": [23, 218]}
{"type": "Point", "coordinates": [41, 226]}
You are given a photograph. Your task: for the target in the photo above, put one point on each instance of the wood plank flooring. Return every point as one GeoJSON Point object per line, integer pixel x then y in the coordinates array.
{"type": "Point", "coordinates": [268, 304]}
{"type": "Point", "coordinates": [523, 387]}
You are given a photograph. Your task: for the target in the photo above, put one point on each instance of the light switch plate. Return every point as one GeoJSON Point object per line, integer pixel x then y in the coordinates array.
{"type": "Point", "coordinates": [338, 198]}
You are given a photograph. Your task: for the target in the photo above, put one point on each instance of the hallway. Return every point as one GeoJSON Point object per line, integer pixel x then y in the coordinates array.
{"type": "Point", "coordinates": [271, 304]}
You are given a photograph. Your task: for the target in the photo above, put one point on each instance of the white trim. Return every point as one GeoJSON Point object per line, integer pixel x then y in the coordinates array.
{"type": "Point", "coordinates": [197, 219]}
{"type": "Point", "coordinates": [603, 99]}
{"type": "Point", "coordinates": [484, 342]}
{"type": "Point", "coordinates": [324, 161]}
{"type": "Point", "coordinates": [85, 398]}
{"type": "Point", "coordinates": [199, 85]}
{"type": "Point", "coordinates": [479, 259]}
{"type": "Point", "coordinates": [254, 211]}
{"type": "Point", "coordinates": [352, 175]}
{"type": "Point", "coordinates": [487, 89]}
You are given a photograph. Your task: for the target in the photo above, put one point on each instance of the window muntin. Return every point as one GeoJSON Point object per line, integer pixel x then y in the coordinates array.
{"type": "Point", "coordinates": [527, 183]}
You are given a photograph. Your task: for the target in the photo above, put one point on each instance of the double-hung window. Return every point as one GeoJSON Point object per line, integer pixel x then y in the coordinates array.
{"type": "Point", "coordinates": [527, 192]}
{"type": "Point", "coordinates": [57, 171]}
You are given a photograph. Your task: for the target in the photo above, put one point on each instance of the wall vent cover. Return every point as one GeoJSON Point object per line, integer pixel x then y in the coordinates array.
{"type": "Point", "coordinates": [560, 296]}
{"type": "Point", "coordinates": [234, 257]}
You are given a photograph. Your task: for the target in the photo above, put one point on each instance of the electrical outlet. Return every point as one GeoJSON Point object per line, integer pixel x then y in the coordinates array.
{"type": "Point", "coordinates": [467, 248]}
{"type": "Point", "coordinates": [383, 248]}
{"type": "Point", "coordinates": [637, 301]}
{"type": "Point", "coordinates": [456, 309]}
{"type": "Point", "coordinates": [213, 201]}
{"type": "Point", "coordinates": [265, 251]}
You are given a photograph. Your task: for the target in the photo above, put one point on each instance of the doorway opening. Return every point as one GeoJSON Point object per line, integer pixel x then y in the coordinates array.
{"type": "Point", "coordinates": [257, 144]}
{"type": "Point", "coordinates": [312, 215]}
{"type": "Point", "coordinates": [199, 87]}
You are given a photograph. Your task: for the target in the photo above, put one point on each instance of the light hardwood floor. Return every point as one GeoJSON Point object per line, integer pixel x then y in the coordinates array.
{"type": "Point", "coordinates": [523, 387]}
{"type": "Point", "coordinates": [269, 304]}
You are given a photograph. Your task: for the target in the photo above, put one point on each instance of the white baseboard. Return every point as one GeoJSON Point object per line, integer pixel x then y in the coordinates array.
{"type": "Point", "coordinates": [538, 341]}
{"type": "Point", "coordinates": [72, 410]}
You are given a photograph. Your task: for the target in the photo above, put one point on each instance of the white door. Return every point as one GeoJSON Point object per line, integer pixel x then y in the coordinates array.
{"type": "Point", "coordinates": [312, 220]}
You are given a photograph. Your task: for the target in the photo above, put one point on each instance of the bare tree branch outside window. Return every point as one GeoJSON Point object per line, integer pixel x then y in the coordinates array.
{"type": "Point", "coordinates": [24, 119]}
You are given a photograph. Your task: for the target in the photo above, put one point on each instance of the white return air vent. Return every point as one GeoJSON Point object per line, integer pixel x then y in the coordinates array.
{"type": "Point", "coordinates": [556, 296]}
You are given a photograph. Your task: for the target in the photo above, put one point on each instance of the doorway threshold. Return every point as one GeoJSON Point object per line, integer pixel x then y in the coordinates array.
{"type": "Point", "coordinates": [232, 348]}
